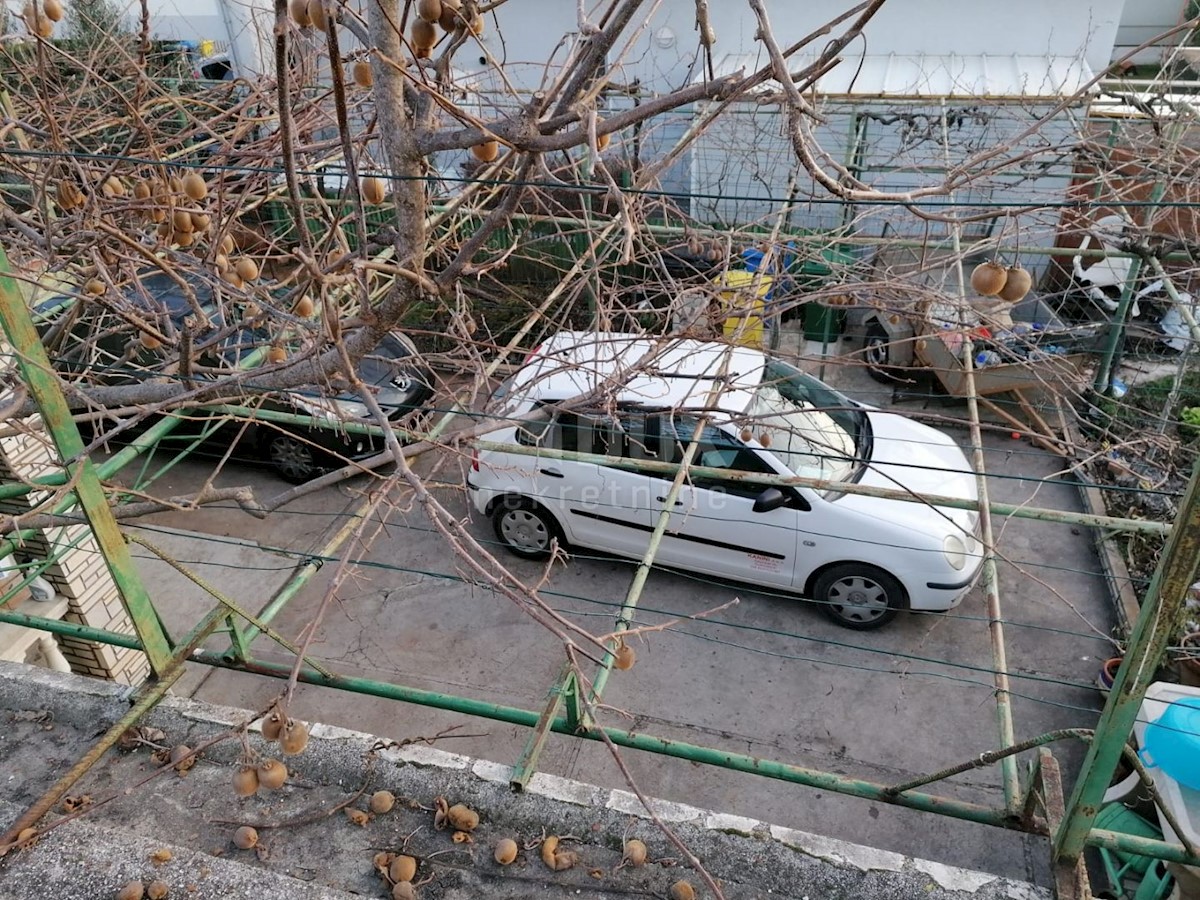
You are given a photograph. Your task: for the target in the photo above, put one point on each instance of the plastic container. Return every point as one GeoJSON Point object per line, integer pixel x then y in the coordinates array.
{"type": "Point", "coordinates": [1183, 801]}
{"type": "Point", "coordinates": [1172, 742]}
{"type": "Point", "coordinates": [823, 323]}
{"type": "Point", "coordinates": [986, 358]}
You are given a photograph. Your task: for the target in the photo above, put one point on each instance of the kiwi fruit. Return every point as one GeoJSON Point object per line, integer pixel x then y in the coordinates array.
{"type": "Point", "coordinates": [382, 802]}
{"type": "Point", "coordinates": [299, 11]}
{"type": "Point", "coordinates": [273, 721]}
{"type": "Point", "coordinates": [246, 268]}
{"type": "Point", "coordinates": [272, 774]}
{"type": "Point", "coordinates": [361, 72]}
{"type": "Point", "coordinates": [316, 15]}
{"type": "Point", "coordinates": [373, 190]}
{"type": "Point", "coordinates": [245, 781]}
{"type": "Point", "coordinates": [294, 737]}
{"type": "Point", "coordinates": [487, 151]}
{"type": "Point", "coordinates": [624, 657]}
{"type": "Point", "coordinates": [424, 35]}
{"type": "Point", "coordinates": [402, 868]}
{"type": "Point", "coordinates": [194, 186]}
{"type": "Point", "coordinates": [635, 852]}
{"type": "Point", "coordinates": [505, 851]}
{"type": "Point", "coordinates": [462, 817]}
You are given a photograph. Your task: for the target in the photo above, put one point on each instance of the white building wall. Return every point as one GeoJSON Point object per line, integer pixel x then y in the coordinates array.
{"type": "Point", "coordinates": [1144, 20]}
{"type": "Point", "coordinates": [664, 54]}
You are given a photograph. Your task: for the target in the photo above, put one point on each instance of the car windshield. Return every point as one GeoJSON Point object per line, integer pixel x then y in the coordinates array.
{"type": "Point", "coordinates": [811, 428]}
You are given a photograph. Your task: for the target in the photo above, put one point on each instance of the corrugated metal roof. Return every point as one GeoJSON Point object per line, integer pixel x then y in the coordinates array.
{"type": "Point", "coordinates": [899, 75]}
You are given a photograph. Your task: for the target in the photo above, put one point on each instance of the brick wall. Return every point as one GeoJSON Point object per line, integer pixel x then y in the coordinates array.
{"type": "Point", "coordinates": [79, 572]}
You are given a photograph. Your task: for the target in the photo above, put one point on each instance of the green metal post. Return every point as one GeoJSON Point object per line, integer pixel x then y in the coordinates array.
{"type": "Point", "coordinates": [1104, 371]}
{"type": "Point", "coordinates": [1116, 329]}
{"type": "Point", "coordinates": [39, 376]}
{"type": "Point", "coordinates": [1158, 618]}
{"type": "Point", "coordinates": [1010, 777]}
{"type": "Point", "coordinates": [568, 683]}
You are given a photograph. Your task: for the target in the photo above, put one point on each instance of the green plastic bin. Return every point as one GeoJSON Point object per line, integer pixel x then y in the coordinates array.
{"type": "Point", "coordinates": [823, 323]}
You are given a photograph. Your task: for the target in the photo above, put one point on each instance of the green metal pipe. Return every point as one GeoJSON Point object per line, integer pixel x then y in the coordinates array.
{"type": "Point", "coordinates": [301, 576]}
{"type": "Point", "coordinates": [1116, 329]}
{"type": "Point", "coordinates": [286, 418]}
{"type": "Point", "coordinates": [567, 685]}
{"type": "Point", "coordinates": [1141, 846]}
{"type": "Point", "coordinates": [1010, 779]}
{"type": "Point", "coordinates": [829, 781]}
{"type": "Point", "coordinates": [1156, 622]}
{"type": "Point", "coordinates": [71, 629]}
{"type": "Point", "coordinates": [38, 375]}
{"type": "Point", "coordinates": [139, 445]}
{"type": "Point", "coordinates": [828, 239]}
{"type": "Point", "coordinates": [1111, 523]}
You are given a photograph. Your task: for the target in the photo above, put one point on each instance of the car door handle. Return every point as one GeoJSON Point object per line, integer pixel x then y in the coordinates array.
{"type": "Point", "coordinates": [664, 500]}
{"type": "Point", "coordinates": [553, 473]}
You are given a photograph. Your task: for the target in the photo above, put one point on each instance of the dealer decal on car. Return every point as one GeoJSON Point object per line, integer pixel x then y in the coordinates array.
{"type": "Point", "coordinates": [765, 563]}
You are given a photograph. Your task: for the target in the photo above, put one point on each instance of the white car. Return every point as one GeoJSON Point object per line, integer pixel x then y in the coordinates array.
{"type": "Point", "coordinates": [636, 401]}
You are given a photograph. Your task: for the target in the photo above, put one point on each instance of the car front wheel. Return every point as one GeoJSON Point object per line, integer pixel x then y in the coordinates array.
{"type": "Point", "coordinates": [292, 459]}
{"type": "Point", "coordinates": [858, 596]}
{"type": "Point", "coordinates": [525, 528]}
{"type": "Point", "coordinates": [877, 353]}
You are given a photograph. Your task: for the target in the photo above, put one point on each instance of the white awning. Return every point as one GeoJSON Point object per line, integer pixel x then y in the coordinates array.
{"type": "Point", "coordinates": [926, 76]}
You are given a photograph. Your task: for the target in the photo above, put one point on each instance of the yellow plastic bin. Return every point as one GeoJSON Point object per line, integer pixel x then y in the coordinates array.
{"type": "Point", "coordinates": [743, 306]}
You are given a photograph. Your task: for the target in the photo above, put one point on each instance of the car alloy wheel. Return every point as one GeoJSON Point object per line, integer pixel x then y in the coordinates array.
{"type": "Point", "coordinates": [291, 458]}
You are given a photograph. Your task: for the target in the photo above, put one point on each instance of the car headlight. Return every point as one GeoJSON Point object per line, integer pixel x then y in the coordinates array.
{"type": "Point", "coordinates": [955, 551]}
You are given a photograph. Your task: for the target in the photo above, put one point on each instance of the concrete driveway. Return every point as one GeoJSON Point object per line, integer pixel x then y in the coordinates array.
{"type": "Point", "coordinates": [767, 677]}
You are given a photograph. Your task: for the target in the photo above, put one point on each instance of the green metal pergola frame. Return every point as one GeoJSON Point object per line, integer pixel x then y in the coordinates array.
{"type": "Point", "coordinates": [572, 699]}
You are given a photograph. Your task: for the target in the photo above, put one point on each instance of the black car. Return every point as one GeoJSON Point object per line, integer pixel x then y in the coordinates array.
{"type": "Point", "coordinates": [92, 343]}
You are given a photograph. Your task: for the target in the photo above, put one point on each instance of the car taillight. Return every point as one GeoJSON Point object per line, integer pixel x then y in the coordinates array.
{"type": "Point", "coordinates": [532, 353]}
{"type": "Point", "coordinates": [474, 460]}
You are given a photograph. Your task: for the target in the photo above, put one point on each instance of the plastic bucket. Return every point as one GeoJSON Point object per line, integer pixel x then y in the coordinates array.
{"type": "Point", "coordinates": [1172, 742]}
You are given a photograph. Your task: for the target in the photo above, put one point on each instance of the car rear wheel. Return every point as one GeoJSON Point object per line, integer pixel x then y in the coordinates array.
{"type": "Point", "coordinates": [525, 528]}
{"type": "Point", "coordinates": [877, 353]}
{"type": "Point", "coordinates": [291, 458]}
{"type": "Point", "coordinates": [859, 596]}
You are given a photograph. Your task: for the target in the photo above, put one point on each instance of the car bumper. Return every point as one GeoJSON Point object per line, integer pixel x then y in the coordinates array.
{"type": "Point", "coordinates": [480, 497]}
{"type": "Point", "coordinates": [943, 595]}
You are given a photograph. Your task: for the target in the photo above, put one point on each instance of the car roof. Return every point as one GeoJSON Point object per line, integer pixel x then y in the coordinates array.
{"type": "Point", "coordinates": [152, 290]}
{"type": "Point", "coordinates": [641, 370]}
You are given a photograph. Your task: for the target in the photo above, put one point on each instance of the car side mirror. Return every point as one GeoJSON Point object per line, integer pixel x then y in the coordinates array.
{"type": "Point", "coordinates": [771, 498]}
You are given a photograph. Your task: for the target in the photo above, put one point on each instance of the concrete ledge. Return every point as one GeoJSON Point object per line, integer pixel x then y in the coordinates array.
{"type": "Point", "coordinates": [753, 859]}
